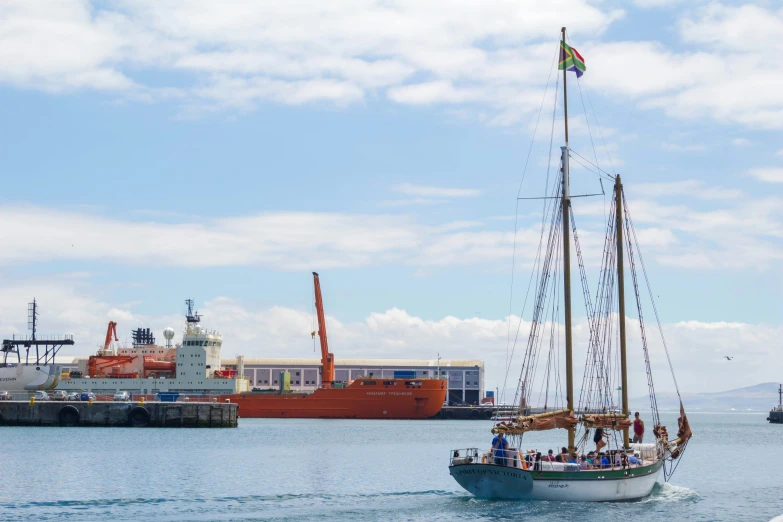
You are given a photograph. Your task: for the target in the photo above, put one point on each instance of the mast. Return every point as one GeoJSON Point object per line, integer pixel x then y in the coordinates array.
{"type": "Point", "coordinates": [618, 197]}
{"type": "Point", "coordinates": [327, 359]}
{"type": "Point", "coordinates": [567, 264]}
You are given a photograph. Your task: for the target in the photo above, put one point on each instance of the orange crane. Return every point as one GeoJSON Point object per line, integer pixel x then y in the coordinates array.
{"type": "Point", "coordinates": [327, 358]}
{"type": "Point", "coordinates": [109, 331]}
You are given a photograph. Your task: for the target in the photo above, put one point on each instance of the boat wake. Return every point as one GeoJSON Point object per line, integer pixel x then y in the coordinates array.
{"type": "Point", "coordinates": [670, 493]}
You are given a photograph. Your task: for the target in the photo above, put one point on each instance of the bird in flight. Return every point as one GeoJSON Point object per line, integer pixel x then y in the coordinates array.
{"type": "Point", "coordinates": [728, 358]}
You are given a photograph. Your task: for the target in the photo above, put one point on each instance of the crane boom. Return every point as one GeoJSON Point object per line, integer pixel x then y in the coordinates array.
{"type": "Point", "coordinates": [327, 358]}
{"type": "Point", "coordinates": [112, 329]}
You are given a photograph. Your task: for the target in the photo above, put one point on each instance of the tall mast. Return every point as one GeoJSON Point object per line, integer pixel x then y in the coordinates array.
{"type": "Point", "coordinates": [327, 359]}
{"type": "Point", "coordinates": [567, 263]}
{"type": "Point", "coordinates": [618, 197]}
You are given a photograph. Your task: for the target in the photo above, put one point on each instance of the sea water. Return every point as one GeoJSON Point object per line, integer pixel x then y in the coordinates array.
{"type": "Point", "coordinates": [279, 469]}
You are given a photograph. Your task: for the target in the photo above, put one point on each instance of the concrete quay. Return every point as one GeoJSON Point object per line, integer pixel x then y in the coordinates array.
{"type": "Point", "coordinates": [119, 414]}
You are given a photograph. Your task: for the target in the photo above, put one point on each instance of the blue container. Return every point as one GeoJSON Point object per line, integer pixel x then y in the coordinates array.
{"type": "Point", "coordinates": [489, 395]}
{"type": "Point", "coordinates": [405, 374]}
{"type": "Point", "coordinates": [168, 396]}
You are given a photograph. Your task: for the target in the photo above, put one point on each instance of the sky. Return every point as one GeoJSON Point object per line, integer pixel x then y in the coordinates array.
{"type": "Point", "coordinates": [154, 151]}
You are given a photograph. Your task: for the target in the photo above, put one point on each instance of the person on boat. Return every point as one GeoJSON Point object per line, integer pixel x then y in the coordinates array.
{"type": "Point", "coordinates": [634, 459]}
{"type": "Point", "coordinates": [564, 455]}
{"type": "Point", "coordinates": [550, 457]}
{"type": "Point", "coordinates": [591, 460]}
{"type": "Point", "coordinates": [537, 464]}
{"type": "Point", "coordinates": [573, 459]}
{"type": "Point", "coordinates": [605, 463]}
{"type": "Point", "coordinates": [499, 447]}
{"type": "Point", "coordinates": [598, 438]}
{"type": "Point", "coordinates": [624, 461]}
{"type": "Point", "coordinates": [583, 465]}
{"type": "Point", "coordinates": [638, 429]}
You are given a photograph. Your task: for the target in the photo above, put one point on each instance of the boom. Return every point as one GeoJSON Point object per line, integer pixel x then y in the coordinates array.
{"type": "Point", "coordinates": [112, 329]}
{"type": "Point", "coordinates": [327, 358]}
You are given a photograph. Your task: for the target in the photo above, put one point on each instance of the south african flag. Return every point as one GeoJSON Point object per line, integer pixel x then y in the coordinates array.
{"type": "Point", "coordinates": [571, 60]}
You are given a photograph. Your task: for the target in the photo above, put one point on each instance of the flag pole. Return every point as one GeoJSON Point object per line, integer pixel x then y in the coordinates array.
{"type": "Point", "coordinates": [567, 264]}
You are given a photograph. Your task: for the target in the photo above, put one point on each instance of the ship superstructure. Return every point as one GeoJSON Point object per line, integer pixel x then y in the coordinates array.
{"type": "Point", "coordinates": [192, 366]}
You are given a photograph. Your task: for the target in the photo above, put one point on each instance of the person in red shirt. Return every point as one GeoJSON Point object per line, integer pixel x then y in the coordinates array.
{"type": "Point", "coordinates": [549, 457]}
{"type": "Point", "coordinates": [638, 429]}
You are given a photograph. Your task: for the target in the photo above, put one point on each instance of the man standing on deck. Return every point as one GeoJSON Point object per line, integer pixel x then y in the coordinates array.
{"type": "Point", "coordinates": [638, 429]}
{"type": "Point", "coordinates": [499, 446]}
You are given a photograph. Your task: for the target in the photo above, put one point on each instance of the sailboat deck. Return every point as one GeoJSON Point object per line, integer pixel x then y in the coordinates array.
{"type": "Point", "coordinates": [548, 470]}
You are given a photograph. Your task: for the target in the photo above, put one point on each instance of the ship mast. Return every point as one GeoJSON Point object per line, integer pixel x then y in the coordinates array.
{"type": "Point", "coordinates": [566, 202]}
{"type": "Point", "coordinates": [327, 359]}
{"type": "Point", "coordinates": [618, 195]}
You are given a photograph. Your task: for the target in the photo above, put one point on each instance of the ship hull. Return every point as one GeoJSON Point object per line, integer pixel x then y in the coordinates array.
{"type": "Point", "coordinates": [29, 377]}
{"type": "Point", "coordinates": [500, 482]}
{"type": "Point", "coordinates": [357, 401]}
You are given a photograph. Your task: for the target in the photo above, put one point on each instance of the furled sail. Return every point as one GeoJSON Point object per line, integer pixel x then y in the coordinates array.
{"type": "Point", "coordinates": [563, 419]}
{"type": "Point", "coordinates": [609, 421]}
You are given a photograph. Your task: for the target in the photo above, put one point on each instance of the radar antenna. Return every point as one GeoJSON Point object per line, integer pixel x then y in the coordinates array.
{"type": "Point", "coordinates": [192, 315]}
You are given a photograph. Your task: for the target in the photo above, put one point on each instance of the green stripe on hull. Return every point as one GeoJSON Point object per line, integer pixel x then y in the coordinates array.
{"type": "Point", "coordinates": [596, 474]}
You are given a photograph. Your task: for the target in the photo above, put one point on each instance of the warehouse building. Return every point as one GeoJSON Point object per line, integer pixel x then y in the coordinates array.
{"type": "Point", "coordinates": [465, 376]}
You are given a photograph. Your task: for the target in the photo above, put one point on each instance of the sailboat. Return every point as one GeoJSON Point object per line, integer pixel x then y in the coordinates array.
{"type": "Point", "coordinates": [617, 469]}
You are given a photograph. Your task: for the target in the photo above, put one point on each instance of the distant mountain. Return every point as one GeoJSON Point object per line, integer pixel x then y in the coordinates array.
{"type": "Point", "coordinates": [761, 398]}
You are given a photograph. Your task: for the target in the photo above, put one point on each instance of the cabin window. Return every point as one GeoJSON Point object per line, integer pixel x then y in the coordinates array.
{"type": "Point", "coordinates": [368, 383]}
{"type": "Point", "coordinates": [390, 383]}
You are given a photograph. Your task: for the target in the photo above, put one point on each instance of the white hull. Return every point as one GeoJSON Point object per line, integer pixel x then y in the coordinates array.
{"type": "Point", "coordinates": [29, 377]}
{"type": "Point", "coordinates": [499, 482]}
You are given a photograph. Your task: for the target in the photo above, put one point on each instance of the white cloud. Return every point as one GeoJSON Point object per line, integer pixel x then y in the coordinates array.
{"type": "Point", "coordinates": [741, 142]}
{"type": "Point", "coordinates": [768, 174]}
{"type": "Point", "coordinates": [279, 240]}
{"type": "Point", "coordinates": [278, 331]}
{"type": "Point", "coordinates": [420, 190]}
{"type": "Point", "coordinates": [779, 153]}
{"type": "Point", "coordinates": [688, 187]}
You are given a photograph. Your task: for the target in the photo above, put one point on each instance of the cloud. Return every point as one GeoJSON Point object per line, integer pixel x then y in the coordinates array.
{"type": "Point", "coordinates": [278, 240]}
{"type": "Point", "coordinates": [419, 190]}
{"type": "Point", "coordinates": [277, 331]}
{"type": "Point", "coordinates": [768, 174]}
{"type": "Point", "coordinates": [779, 153]}
{"type": "Point", "coordinates": [688, 187]}
{"type": "Point", "coordinates": [741, 142]}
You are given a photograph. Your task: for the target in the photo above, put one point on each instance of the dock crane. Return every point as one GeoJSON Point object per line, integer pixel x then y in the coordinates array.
{"type": "Point", "coordinates": [327, 358]}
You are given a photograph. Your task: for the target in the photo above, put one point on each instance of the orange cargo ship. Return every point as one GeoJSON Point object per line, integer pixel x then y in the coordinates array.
{"type": "Point", "coordinates": [361, 399]}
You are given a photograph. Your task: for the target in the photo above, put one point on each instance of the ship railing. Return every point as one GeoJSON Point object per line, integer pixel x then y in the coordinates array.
{"type": "Point", "coordinates": [515, 459]}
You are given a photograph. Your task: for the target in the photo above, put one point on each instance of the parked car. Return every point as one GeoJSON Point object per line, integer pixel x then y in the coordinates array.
{"type": "Point", "coordinates": [74, 396]}
{"type": "Point", "coordinates": [41, 396]}
{"type": "Point", "coordinates": [59, 395]}
{"type": "Point", "coordinates": [5, 396]}
{"type": "Point", "coordinates": [122, 396]}
{"type": "Point", "coordinates": [86, 396]}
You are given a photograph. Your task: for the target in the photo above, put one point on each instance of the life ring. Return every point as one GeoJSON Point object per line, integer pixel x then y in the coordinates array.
{"type": "Point", "coordinates": [68, 416]}
{"type": "Point", "coordinates": [138, 417]}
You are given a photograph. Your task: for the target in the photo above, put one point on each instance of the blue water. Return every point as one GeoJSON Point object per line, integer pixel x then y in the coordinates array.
{"type": "Point", "coordinates": [350, 470]}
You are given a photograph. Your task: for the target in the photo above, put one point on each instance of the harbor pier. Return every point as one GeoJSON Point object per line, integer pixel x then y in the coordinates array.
{"type": "Point", "coordinates": [119, 414]}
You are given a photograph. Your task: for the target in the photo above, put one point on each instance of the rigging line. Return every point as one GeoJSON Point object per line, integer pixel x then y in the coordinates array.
{"type": "Point", "coordinates": [652, 300]}
{"type": "Point", "coordinates": [607, 175]}
{"type": "Point", "coordinates": [587, 169]}
{"type": "Point", "coordinates": [587, 120]}
{"type": "Point", "coordinates": [516, 210]}
{"type": "Point", "coordinates": [540, 240]}
{"type": "Point", "coordinates": [598, 124]}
